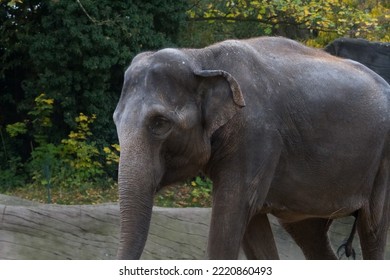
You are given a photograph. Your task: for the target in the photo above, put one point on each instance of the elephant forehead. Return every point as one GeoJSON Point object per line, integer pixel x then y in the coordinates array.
{"type": "Point", "coordinates": [145, 101]}
{"type": "Point", "coordinates": [166, 89]}
{"type": "Point", "coordinates": [160, 87]}
{"type": "Point", "coordinates": [168, 65]}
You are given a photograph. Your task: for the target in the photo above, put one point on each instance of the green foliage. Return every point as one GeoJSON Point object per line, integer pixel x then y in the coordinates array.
{"type": "Point", "coordinates": [76, 52]}
{"type": "Point", "coordinates": [74, 162]}
{"type": "Point", "coordinates": [314, 21]}
{"type": "Point", "coordinates": [11, 175]}
{"type": "Point", "coordinates": [202, 188]}
{"type": "Point", "coordinates": [41, 114]}
{"type": "Point", "coordinates": [195, 193]}
{"type": "Point", "coordinates": [80, 154]}
{"type": "Point", "coordinates": [38, 122]}
{"type": "Point", "coordinates": [19, 128]}
{"type": "Point", "coordinates": [112, 154]}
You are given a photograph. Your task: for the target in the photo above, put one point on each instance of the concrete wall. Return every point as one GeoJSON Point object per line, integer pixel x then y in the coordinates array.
{"type": "Point", "coordinates": [39, 231]}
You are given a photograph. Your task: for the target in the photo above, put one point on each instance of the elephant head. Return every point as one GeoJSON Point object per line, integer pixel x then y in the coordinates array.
{"type": "Point", "coordinates": [167, 113]}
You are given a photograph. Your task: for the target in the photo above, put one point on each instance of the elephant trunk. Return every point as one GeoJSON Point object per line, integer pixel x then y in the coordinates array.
{"type": "Point", "coordinates": [136, 191]}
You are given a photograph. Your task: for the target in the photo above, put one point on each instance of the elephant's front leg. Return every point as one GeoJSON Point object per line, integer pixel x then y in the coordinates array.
{"type": "Point", "coordinates": [228, 223]}
{"type": "Point", "coordinates": [240, 191]}
{"type": "Point", "coordinates": [259, 242]}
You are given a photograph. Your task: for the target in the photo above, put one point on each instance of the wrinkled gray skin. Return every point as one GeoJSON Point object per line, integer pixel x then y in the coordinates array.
{"type": "Point", "coordinates": [280, 128]}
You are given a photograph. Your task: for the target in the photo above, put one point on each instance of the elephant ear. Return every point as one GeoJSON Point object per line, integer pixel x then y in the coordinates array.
{"type": "Point", "coordinates": [221, 98]}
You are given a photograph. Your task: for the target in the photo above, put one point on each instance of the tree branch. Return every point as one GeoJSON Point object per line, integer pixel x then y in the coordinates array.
{"type": "Point", "coordinates": [92, 19]}
{"type": "Point", "coordinates": [269, 20]}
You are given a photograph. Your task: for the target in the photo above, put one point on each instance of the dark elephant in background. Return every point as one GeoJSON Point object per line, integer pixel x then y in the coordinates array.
{"type": "Point", "coordinates": [374, 55]}
{"type": "Point", "coordinates": [280, 128]}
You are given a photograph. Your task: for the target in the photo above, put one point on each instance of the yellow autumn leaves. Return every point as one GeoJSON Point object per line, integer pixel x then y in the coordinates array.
{"type": "Point", "coordinates": [75, 160]}
{"type": "Point", "coordinates": [328, 18]}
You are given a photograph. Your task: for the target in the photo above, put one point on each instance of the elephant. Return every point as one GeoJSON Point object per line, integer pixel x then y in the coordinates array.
{"type": "Point", "coordinates": [280, 128]}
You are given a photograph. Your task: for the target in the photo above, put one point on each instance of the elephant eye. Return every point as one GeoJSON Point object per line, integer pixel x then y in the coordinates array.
{"type": "Point", "coordinates": [160, 126]}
